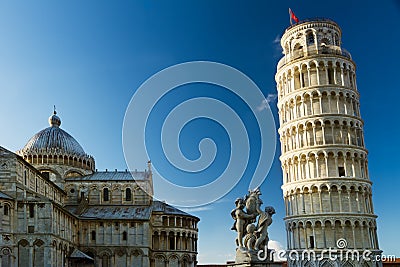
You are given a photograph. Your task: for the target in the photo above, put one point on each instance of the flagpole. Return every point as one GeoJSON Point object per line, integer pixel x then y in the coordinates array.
{"type": "Point", "coordinates": [292, 16]}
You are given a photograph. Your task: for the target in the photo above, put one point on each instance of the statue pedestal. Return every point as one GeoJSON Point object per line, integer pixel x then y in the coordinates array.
{"type": "Point", "coordinates": [246, 258]}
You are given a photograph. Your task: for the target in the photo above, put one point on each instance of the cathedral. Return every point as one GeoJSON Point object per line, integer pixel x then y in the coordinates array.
{"type": "Point", "coordinates": [56, 209]}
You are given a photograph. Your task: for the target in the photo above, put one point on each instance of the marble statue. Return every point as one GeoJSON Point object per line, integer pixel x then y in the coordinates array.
{"type": "Point", "coordinates": [264, 221]}
{"type": "Point", "coordinates": [241, 220]}
{"type": "Point", "coordinates": [251, 224]}
{"type": "Point", "coordinates": [250, 238]}
{"type": "Point", "coordinates": [253, 203]}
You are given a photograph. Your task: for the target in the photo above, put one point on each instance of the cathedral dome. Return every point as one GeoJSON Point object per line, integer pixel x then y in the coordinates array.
{"type": "Point", "coordinates": [53, 140]}
{"type": "Point", "coordinates": [53, 148]}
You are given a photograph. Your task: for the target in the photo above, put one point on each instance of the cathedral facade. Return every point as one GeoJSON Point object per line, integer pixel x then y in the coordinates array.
{"type": "Point", "coordinates": [56, 209]}
{"type": "Point", "coordinates": [326, 185]}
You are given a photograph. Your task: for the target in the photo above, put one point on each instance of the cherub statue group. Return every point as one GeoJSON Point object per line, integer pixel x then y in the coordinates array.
{"type": "Point", "coordinates": [250, 236]}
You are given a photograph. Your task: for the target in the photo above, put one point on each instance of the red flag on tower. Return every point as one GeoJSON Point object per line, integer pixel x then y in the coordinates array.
{"type": "Point", "coordinates": [292, 16]}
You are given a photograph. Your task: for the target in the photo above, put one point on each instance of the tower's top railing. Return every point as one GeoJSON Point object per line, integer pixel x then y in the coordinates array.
{"type": "Point", "coordinates": [311, 20]}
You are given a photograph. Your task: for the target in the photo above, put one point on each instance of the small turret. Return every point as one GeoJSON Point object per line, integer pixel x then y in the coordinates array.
{"type": "Point", "coordinates": [54, 120]}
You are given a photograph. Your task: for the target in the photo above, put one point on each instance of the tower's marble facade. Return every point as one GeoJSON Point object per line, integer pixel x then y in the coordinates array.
{"type": "Point", "coordinates": [326, 185]}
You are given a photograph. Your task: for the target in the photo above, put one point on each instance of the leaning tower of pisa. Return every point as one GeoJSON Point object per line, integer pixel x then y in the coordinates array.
{"type": "Point", "coordinates": [326, 185]}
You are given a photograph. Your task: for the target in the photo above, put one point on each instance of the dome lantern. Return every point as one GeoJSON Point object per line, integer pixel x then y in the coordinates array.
{"type": "Point", "coordinates": [54, 120]}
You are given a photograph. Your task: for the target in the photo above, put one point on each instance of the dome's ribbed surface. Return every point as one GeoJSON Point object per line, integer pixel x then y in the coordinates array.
{"type": "Point", "coordinates": [53, 140]}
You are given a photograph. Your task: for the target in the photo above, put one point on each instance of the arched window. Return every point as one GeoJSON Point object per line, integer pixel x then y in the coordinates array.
{"type": "Point", "coordinates": [93, 236]}
{"type": "Point", "coordinates": [106, 196]}
{"type": "Point", "coordinates": [310, 38]}
{"type": "Point", "coordinates": [6, 210]}
{"type": "Point", "coordinates": [337, 41]}
{"type": "Point", "coordinates": [82, 196]}
{"type": "Point", "coordinates": [298, 51]}
{"type": "Point", "coordinates": [105, 260]}
{"type": "Point", "coordinates": [124, 236]}
{"type": "Point", "coordinates": [171, 241]}
{"type": "Point", "coordinates": [31, 210]}
{"type": "Point", "coordinates": [128, 194]}
{"type": "Point", "coordinates": [46, 175]}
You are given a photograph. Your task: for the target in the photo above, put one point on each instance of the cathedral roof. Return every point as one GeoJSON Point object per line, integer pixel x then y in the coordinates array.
{"type": "Point", "coordinates": [77, 254]}
{"type": "Point", "coordinates": [114, 212]}
{"type": "Point", "coordinates": [5, 196]}
{"type": "Point", "coordinates": [53, 140]}
{"type": "Point", "coordinates": [128, 212]}
{"type": "Point", "coordinates": [163, 207]}
{"type": "Point", "coordinates": [113, 176]}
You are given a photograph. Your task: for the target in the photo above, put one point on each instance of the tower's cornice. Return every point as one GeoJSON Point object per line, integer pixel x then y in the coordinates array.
{"type": "Point", "coordinates": [312, 23]}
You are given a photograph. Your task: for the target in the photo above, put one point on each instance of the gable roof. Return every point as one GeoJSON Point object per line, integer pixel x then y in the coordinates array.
{"type": "Point", "coordinates": [77, 254]}
{"type": "Point", "coordinates": [113, 176]}
{"type": "Point", "coordinates": [159, 206]}
{"type": "Point", "coordinates": [114, 212]}
{"type": "Point", "coordinates": [5, 196]}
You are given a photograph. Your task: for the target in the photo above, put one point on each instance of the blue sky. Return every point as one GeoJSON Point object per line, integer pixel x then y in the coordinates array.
{"type": "Point", "coordinates": [89, 57]}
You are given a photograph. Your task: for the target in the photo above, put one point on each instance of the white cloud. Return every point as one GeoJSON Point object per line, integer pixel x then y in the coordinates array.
{"type": "Point", "coordinates": [276, 44]}
{"type": "Point", "coordinates": [196, 209]}
{"type": "Point", "coordinates": [265, 103]}
{"type": "Point", "coordinates": [277, 40]}
{"type": "Point", "coordinates": [278, 247]}
{"type": "Point", "coordinates": [271, 97]}
{"type": "Point", "coordinates": [224, 200]}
